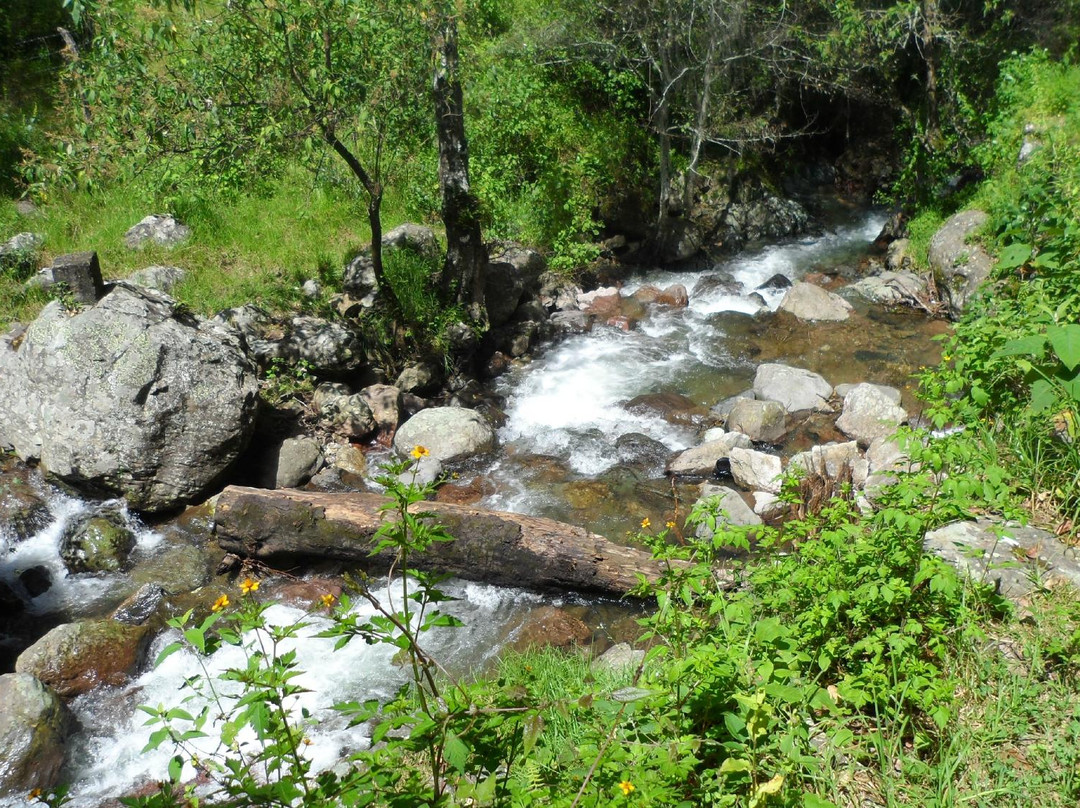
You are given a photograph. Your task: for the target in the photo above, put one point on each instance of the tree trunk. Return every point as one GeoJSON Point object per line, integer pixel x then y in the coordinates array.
{"type": "Point", "coordinates": [934, 139]}
{"type": "Point", "coordinates": [285, 526]}
{"type": "Point", "coordinates": [466, 257]}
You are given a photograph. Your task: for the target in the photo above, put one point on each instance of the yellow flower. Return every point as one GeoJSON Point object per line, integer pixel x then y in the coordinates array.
{"type": "Point", "coordinates": [220, 603]}
{"type": "Point", "coordinates": [419, 451]}
{"type": "Point", "coordinates": [35, 794]}
{"type": "Point", "coordinates": [626, 787]}
{"type": "Point", "coordinates": [645, 523]}
{"type": "Point", "coordinates": [327, 600]}
{"type": "Point", "coordinates": [670, 525]}
{"type": "Point", "coordinates": [946, 357]}
{"type": "Point", "coordinates": [247, 586]}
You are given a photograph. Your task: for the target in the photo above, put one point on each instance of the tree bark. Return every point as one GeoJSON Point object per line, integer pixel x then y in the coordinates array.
{"type": "Point", "coordinates": [283, 527]}
{"type": "Point", "coordinates": [466, 257]}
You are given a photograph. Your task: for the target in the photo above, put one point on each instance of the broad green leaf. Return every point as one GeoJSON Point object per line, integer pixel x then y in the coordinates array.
{"type": "Point", "coordinates": [814, 801]}
{"type": "Point", "coordinates": [1024, 346]}
{"type": "Point", "coordinates": [628, 694]}
{"type": "Point", "coordinates": [1043, 395]}
{"type": "Point", "coordinates": [456, 752]}
{"type": "Point", "coordinates": [733, 765]}
{"type": "Point", "coordinates": [1065, 340]}
{"type": "Point", "coordinates": [1014, 255]}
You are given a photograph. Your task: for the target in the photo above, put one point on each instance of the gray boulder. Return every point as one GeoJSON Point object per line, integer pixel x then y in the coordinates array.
{"type": "Point", "coordinates": [346, 415]}
{"type": "Point", "coordinates": [33, 730]}
{"type": "Point", "coordinates": [131, 397]}
{"type": "Point", "coordinates": [527, 265]}
{"type": "Point", "coordinates": [868, 414]}
{"type": "Point", "coordinates": [756, 471]}
{"type": "Point", "coordinates": [700, 461]}
{"type": "Point", "coordinates": [809, 302]}
{"type": "Point", "coordinates": [959, 267]}
{"type": "Point", "coordinates": [160, 229]}
{"type": "Point", "coordinates": [158, 277]}
{"type": "Point", "coordinates": [894, 289]}
{"type": "Point", "coordinates": [894, 395]}
{"type": "Point", "coordinates": [728, 507]}
{"type": "Point", "coordinates": [767, 217]}
{"type": "Point", "coordinates": [421, 378]}
{"type": "Point", "coordinates": [762, 421]}
{"type": "Point", "coordinates": [384, 402]}
{"type": "Point", "coordinates": [101, 542]}
{"type": "Point", "coordinates": [794, 388]}
{"type": "Point", "coordinates": [328, 347]}
{"type": "Point", "coordinates": [448, 433]}
{"type": "Point", "coordinates": [292, 463]}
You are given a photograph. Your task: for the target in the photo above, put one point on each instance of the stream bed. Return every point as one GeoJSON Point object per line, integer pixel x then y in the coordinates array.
{"type": "Point", "coordinates": [588, 425]}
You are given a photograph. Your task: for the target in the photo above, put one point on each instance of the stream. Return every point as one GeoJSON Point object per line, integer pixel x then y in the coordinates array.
{"type": "Point", "coordinates": [570, 449]}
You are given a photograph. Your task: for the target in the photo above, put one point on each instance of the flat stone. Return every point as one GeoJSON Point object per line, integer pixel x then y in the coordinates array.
{"type": "Point", "coordinates": [812, 303]}
{"type": "Point", "coordinates": [755, 470]}
{"type": "Point", "coordinates": [795, 388]}
{"type": "Point", "coordinates": [700, 461]}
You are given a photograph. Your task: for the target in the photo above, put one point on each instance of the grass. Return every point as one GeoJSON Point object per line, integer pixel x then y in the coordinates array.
{"type": "Point", "coordinates": [243, 249]}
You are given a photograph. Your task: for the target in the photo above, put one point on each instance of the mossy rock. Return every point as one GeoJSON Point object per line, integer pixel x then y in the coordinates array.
{"type": "Point", "coordinates": [102, 543]}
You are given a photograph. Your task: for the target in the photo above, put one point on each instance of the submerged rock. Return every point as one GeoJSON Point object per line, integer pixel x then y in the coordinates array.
{"type": "Point", "coordinates": [551, 627]}
{"type": "Point", "coordinates": [132, 397]}
{"type": "Point", "coordinates": [101, 542]}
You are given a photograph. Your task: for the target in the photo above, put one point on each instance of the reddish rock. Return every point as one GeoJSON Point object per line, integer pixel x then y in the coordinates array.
{"type": "Point", "coordinates": [74, 658]}
{"type": "Point", "coordinates": [467, 493]}
{"type": "Point", "coordinates": [647, 294]}
{"type": "Point", "coordinates": [307, 593]}
{"type": "Point", "coordinates": [548, 626]}
{"type": "Point", "coordinates": [675, 295]}
{"type": "Point", "coordinates": [674, 408]}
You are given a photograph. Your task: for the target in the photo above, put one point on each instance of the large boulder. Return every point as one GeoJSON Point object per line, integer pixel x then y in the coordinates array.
{"type": "Point", "coordinates": [132, 397]}
{"type": "Point", "coordinates": [763, 421]}
{"type": "Point", "coordinates": [100, 542]}
{"type": "Point", "coordinates": [809, 302]}
{"type": "Point", "coordinates": [448, 433]}
{"type": "Point", "coordinates": [794, 388]}
{"type": "Point", "coordinates": [869, 413]}
{"type": "Point", "coordinates": [894, 288]}
{"type": "Point", "coordinates": [33, 730]}
{"type": "Point", "coordinates": [959, 266]}
{"type": "Point", "coordinates": [74, 658]}
{"type": "Point", "coordinates": [756, 471]}
{"type": "Point", "coordinates": [700, 461]}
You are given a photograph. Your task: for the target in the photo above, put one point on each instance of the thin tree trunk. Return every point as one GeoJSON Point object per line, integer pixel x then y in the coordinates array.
{"type": "Point", "coordinates": [934, 138]}
{"type": "Point", "coordinates": [466, 257]}
{"type": "Point", "coordinates": [699, 129]}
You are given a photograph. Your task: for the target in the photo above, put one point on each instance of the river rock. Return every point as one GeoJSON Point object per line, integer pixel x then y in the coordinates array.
{"type": "Point", "coordinates": [571, 322]}
{"type": "Point", "coordinates": [292, 463]}
{"type": "Point", "coordinates": [761, 421]}
{"type": "Point", "coordinates": [700, 461]}
{"type": "Point", "coordinates": [1014, 560]}
{"type": "Point", "coordinates": [794, 388]}
{"type": "Point", "coordinates": [102, 542]}
{"type": "Point", "coordinates": [869, 413]}
{"type": "Point", "coordinates": [421, 378]}
{"type": "Point", "coordinates": [674, 295]}
{"type": "Point", "coordinates": [893, 289]}
{"type": "Point", "coordinates": [140, 606]}
{"type": "Point", "coordinates": [776, 282]}
{"type": "Point", "coordinates": [158, 277]}
{"type": "Point", "coordinates": [721, 283]}
{"type": "Point", "coordinates": [346, 415]}
{"type": "Point", "coordinates": [448, 433]}
{"type": "Point", "coordinates": [621, 657]}
{"type": "Point", "coordinates": [160, 229]}
{"type": "Point", "coordinates": [756, 471]}
{"type": "Point", "coordinates": [830, 460]}
{"type": "Point", "coordinates": [384, 402]}
{"type": "Point", "coordinates": [766, 217]}
{"type": "Point", "coordinates": [503, 288]}
{"type": "Point", "coordinates": [959, 267]}
{"type": "Point", "coordinates": [809, 302]}
{"type": "Point", "coordinates": [674, 408]}
{"type": "Point", "coordinates": [33, 730]}
{"type": "Point", "coordinates": [894, 395]}
{"type": "Point", "coordinates": [23, 511]}
{"type": "Point", "coordinates": [74, 658]}
{"type": "Point", "coordinates": [550, 627]}
{"type": "Point", "coordinates": [132, 397]}
{"type": "Point", "coordinates": [586, 299]}
{"type": "Point", "coordinates": [730, 509]}
{"type": "Point", "coordinates": [637, 450]}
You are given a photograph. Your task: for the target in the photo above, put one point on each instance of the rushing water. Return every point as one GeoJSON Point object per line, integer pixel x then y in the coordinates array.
{"type": "Point", "coordinates": [564, 415]}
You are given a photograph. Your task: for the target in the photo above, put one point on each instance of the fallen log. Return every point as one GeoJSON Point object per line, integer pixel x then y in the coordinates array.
{"type": "Point", "coordinates": [286, 526]}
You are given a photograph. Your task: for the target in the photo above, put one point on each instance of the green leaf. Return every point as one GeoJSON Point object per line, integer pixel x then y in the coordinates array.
{"type": "Point", "coordinates": [1024, 346]}
{"type": "Point", "coordinates": [1043, 395]}
{"type": "Point", "coordinates": [732, 765]}
{"type": "Point", "coordinates": [456, 752]}
{"type": "Point", "coordinates": [1014, 255]}
{"type": "Point", "coordinates": [814, 801]}
{"type": "Point", "coordinates": [176, 767]}
{"type": "Point", "coordinates": [1065, 340]}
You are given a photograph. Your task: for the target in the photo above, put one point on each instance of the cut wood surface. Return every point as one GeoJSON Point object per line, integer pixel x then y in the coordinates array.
{"type": "Point", "coordinates": [287, 526]}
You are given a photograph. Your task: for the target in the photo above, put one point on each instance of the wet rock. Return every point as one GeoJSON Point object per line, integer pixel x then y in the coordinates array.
{"type": "Point", "coordinates": [765, 217]}
{"type": "Point", "coordinates": [351, 459]}
{"type": "Point", "coordinates": [761, 421]}
{"type": "Point", "coordinates": [756, 471]}
{"type": "Point", "coordinates": [868, 414]}
{"type": "Point", "coordinates": [36, 580]}
{"type": "Point", "coordinates": [420, 378]}
{"type": "Point", "coordinates": [308, 593]}
{"type": "Point", "coordinates": [140, 606]}
{"type": "Point", "coordinates": [181, 568]}
{"type": "Point", "coordinates": [796, 389]}
{"type": "Point", "coordinates": [777, 281]}
{"type": "Point", "coordinates": [159, 229]}
{"type": "Point", "coordinates": [74, 658]}
{"type": "Point", "coordinates": [1016, 561]}
{"type": "Point", "coordinates": [468, 493]}
{"type": "Point", "coordinates": [812, 303]}
{"type": "Point", "coordinates": [730, 508]}
{"type": "Point", "coordinates": [646, 294]}
{"type": "Point", "coordinates": [674, 408]}
{"type": "Point", "coordinates": [571, 322]}
{"type": "Point", "coordinates": [100, 543]}
{"type": "Point", "coordinates": [959, 267]}
{"type": "Point", "coordinates": [448, 433]}
{"type": "Point", "coordinates": [34, 725]}
{"type": "Point", "coordinates": [640, 451]}
{"type": "Point", "coordinates": [131, 397]}
{"type": "Point", "coordinates": [587, 495]}
{"type": "Point", "coordinates": [585, 299]}
{"type": "Point", "coordinates": [700, 461]}
{"type": "Point", "coordinates": [158, 277]}
{"type": "Point", "coordinates": [619, 658]}
{"type": "Point", "coordinates": [674, 295]}
{"type": "Point", "coordinates": [550, 627]}
{"type": "Point", "coordinates": [716, 284]}
{"type": "Point", "coordinates": [614, 309]}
